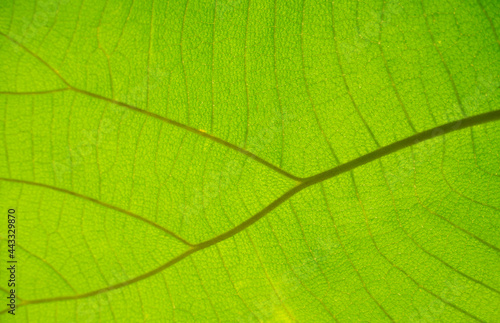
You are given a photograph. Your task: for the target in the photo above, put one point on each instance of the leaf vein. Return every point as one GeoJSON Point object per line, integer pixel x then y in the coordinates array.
{"type": "Point", "coordinates": [335, 171]}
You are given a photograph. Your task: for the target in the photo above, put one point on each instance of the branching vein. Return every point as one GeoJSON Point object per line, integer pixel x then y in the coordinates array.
{"type": "Point", "coordinates": [147, 113]}
{"type": "Point", "coordinates": [312, 180]}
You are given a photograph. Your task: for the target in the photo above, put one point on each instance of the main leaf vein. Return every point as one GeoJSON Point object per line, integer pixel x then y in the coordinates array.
{"type": "Point", "coordinates": [312, 180]}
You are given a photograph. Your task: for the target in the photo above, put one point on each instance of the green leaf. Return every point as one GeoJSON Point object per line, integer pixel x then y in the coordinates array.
{"type": "Point", "coordinates": [245, 160]}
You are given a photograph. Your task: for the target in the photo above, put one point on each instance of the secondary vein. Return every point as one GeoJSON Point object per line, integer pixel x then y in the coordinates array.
{"type": "Point", "coordinates": [93, 200]}
{"type": "Point", "coordinates": [312, 180]}
{"type": "Point", "coordinates": [148, 113]}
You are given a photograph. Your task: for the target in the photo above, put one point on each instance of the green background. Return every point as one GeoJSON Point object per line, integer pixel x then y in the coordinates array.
{"type": "Point", "coordinates": [132, 131]}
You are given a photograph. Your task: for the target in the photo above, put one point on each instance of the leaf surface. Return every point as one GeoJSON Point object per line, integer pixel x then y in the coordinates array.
{"type": "Point", "coordinates": [252, 160]}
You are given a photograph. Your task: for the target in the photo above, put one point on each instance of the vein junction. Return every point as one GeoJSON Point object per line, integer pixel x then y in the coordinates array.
{"type": "Point", "coordinates": [309, 181]}
{"type": "Point", "coordinates": [302, 183]}
{"type": "Point", "coordinates": [150, 114]}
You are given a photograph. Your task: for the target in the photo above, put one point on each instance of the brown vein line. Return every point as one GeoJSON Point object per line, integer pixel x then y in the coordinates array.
{"type": "Point", "coordinates": [449, 303]}
{"type": "Point", "coordinates": [90, 199]}
{"type": "Point", "coordinates": [149, 53]}
{"type": "Point", "coordinates": [70, 126]}
{"type": "Point", "coordinates": [294, 212]}
{"type": "Point", "coordinates": [452, 81]}
{"type": "Point", "coordinates": [374, 155]}
{"type": "Point", "coordinates": [212, 69]}
{"type": "Point", "coordinates": [183, 66]}
{"type": "Point", "coordinates": [290, 316]}
{"type": "Point", "coordinates": [306, 84]}
{"type": "Point", "coordinates": [90, 251]}
{"type": "Point", "coordinates": [245, 73]}
{"type": "Point", "coordinates": [36, 92]}
{"type": "Point", "coordinates": [134, 162]}
{"type": "Point", "coordinates": [233, 284]}
{"type": "Point", "coordinates": [319, 299]}
{"type": "Point", "coordinates": [224, 263]}
{"type": "Point", "coordinates": [122, 29]}
{"type": "Point", "coordinates": [461, 194]}
{"type": "Point", "coordinates": [115, 273]}
{"type": "Point", "coordinates": [453, 224]}
{"type": "Point", "coordinates": [476, 159]}
{"type": "Point", "coordinates": [349, 258]}
{"type": "Point", "coordinates": [163, 119]}
{"type": "Point", "coordinates": [37, 57]}
{"type": "Point", "coordinates": [8, 292]}
{"type": "Point", "coordinates": [109, 288]}
{"type": "Point", "coordinates": [367, 222]}
{"type": "Point", "coordinates": [12, 15]}
{"type": "Point", "coordinates": [45, 262]}
{"type": "Point", "coordinates": [169, 297]}
{"type": "Point", "coordinates": [107, 57]}
{"type": "Point", "coordinates": [268, 278]}
{"type": "Point", "coordinates": [348, 89]}
{"type": "Point", "coordinates": [407, 142]}
{"type": "Point", "coordinates": [449, 221]}
{"type": "Point", "coordinates": [490, 21]}
{"type": "Point", "coordinates": [5, 146]}
{"type": "Point", "coordinates": [32, 141]}
{"type": "Point", "coordinates": [204, 289]}
{"type": "Point", "coordinates": [195, 131]}
{"type": "Point", "coordinates": [278, 94]}
{"type": "Point", "coordinates": [391, 79]}
{"type": "Point", "coordinates": [51, 27]}
{"type": "Point", "coordinates": [72, 38]}
{"type": "Point", "coordinates": [97, 140]}
{"type": "Point", "coordinates": [477, 281]}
